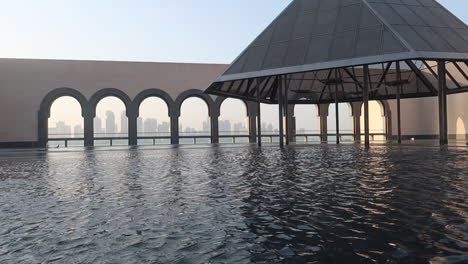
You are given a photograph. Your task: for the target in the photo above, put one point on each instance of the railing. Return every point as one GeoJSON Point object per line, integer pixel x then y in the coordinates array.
{"type": "Point", "coordinates": [203, 138]}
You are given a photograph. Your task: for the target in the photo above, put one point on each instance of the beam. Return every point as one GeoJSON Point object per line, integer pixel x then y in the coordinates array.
{"type": "Point", "coordinates": [366, 105]}
{"type": "Point", "coordinates": [443, 133]}
{"type": "Point", "coordinates": [421, 76]}
{"type": "Point", "coordinates": [398, 87]}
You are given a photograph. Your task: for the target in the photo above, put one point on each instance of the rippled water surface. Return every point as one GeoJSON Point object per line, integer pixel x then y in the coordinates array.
{"type": "Point", "coordinates": [312, 204]}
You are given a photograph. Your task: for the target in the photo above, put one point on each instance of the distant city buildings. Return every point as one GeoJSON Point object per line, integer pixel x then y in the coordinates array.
{"type": "Point", "coordinates": [123, 123]}
{"type": "Point", "coordinates": [61, 129]}
{"type": "Point", "coordinates": [111, 127]}
{"type": "Point", "coordinates": [149, 127]}
{"type": "Point", "coordinates": [78, 131]}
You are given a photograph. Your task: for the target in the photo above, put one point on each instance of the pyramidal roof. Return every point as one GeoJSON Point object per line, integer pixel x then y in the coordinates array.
{"type": "Point", "coordinates": [316, 34]}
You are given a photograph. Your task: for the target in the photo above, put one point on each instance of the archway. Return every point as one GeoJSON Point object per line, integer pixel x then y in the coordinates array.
{"type": "Point", "coordinates": [153, 122]}
{"type": "Point", "coordinates": [307, 123]}
{"type": "Point", "coordinates": [110, 122]}
{"type": "Point", "coordinates": [345, 122]}
{"type": "Point", "coordinates": [461, 129]}
{"type": "Point", "coordinates": [65, 123]}
{"type": "Point", "coordinates": [194, 121]}
{"type": "Point", "coordinates": [270, 123]}
{"type": "Point", "coordinates": [233, 122]}
{"type": "Point", "coordinates": [377, 127]}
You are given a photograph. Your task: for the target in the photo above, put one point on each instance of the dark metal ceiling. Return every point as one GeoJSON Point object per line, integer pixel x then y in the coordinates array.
{"type": "Point", "coordinates": [320, 44]}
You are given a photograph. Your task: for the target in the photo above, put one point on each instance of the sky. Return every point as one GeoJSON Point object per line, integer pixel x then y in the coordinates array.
{"type": "Point", "coordinates": [200, 31]}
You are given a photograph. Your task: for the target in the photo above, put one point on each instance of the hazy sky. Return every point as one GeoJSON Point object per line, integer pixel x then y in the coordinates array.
{"type": "Point", "coordinates": [203, 31]}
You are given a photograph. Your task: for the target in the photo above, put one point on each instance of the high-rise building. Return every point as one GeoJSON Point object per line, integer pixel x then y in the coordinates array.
{"type": "Point", "coordinates": [206, 126]}
{"type": "Point", "coordinates": [140, 125]}
{"type": "Point", "coordinates": [111, 127]}
{"type": "Point", "coordinates": [123, 123]}
{"type": "Point", "coordinates": [98, 125]}
{"type": "Point", "coordinates": [63, 129]}
{"type": "Point", "coordinates": [164, 128]}
{"type": "Point", "coordinates": [225, 127]}
{"type": "Point", "coordinates": [78, 131]}
{"type": "Point", "coordinates": [150, 126]}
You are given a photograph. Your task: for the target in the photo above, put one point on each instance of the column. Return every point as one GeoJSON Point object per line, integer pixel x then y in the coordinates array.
{"type": "Point", "coordinates": [356, 112]}
{"type": "Point", "coordinates": [88, 128]}
{"type": "Point", "coordinates": [132, 128]}
{"type": "Point", "coordinates": [175, 129]}
{"type": "Point", "coordinates": [252, 116]}
{"type": "Point", "coordinates": [398, 93]}
{"type": "Point", "coordinates": [366, 105]}
{"type": "Point", "coordinates": [323, 114]}
{"type": "Point", "coordinates": [280, 112]}
{"type": "Point", "coordinates": [443, 132]}
{"type": "Point", "coordinates": [214, 129]}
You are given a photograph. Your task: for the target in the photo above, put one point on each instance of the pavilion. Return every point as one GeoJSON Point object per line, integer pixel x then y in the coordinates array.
{"type": "Point", "coordinates": [334, 51]}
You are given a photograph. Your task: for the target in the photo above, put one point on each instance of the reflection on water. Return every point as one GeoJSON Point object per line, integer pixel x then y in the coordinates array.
{"type": "Point", "coordinates": [314, 204]}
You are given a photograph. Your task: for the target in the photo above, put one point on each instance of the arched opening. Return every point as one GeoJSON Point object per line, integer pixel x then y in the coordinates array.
{"type": "Point", "coordinates": [377, 126]}
{"type": "Point", "coordinates": [153, 123]}
{"type": "Point", "coordinates": [194, 122]}
{"type": "Point", "coordinates": [307, 123]}
{"type": "Point", "coordinates": [345, 122]}
{"type": "Point", "coordinates": [461, 129]}
{"type": "Point", "coordinates": [270, 123]}
{"type": "Point", "coordinates": [233, 122]}
{"type": "Point", "coordinates": [65, 124]}
{"type": "Point", "coordinates": [110, 122]}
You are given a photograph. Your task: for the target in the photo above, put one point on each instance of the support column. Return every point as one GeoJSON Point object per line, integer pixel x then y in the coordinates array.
{"type": "Point", "coordinates": [88, 128]}
{"type": "Point", "coordinates": [292, 123]}
{"type": "Point", "coordinates": [398, 93]}
{"type": "Point", "coordinates": [280, 106]}
{"type": "Point", "coordinates": [443, 132]}
{"type": "Point", "coordinates": [286, 110]}
{"type": "Point", "coordinates": [252, 116]}
{"type": "Point", "coordinates": [259, 118]}
{"type": "Point", "coordinates": [214, 129]}
{"type": "Point", "coordinates": [175, 129]}
{"type": "Point", "coordinates": [337, 112]}
{"type": "Point", "coordinates": [366, 105]}
{"type": "Point", "coordinates": [356, 111]}
{"type": "Point", "coordinates": [132, 128]}
{"type": "Point", "coordinates": [323, 114]}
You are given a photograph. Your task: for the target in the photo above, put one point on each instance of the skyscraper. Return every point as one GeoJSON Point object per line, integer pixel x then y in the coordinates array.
{"type": "Point", "coordinates": [150, 126]}
{"type": "Point", "coordinates": [98, 125]}
{"type": "Point", "coordinates": [110, 123]}
{"type": "Point", "coordinates": [78, 131]}
{"type": "Point", "coordinates": [123, 123]}
{"type": "Point", "coordinates": [140, 125]}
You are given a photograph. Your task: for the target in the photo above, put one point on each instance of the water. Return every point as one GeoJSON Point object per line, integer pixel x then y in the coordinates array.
{"type": "Point", "coordinates": [310, 204]}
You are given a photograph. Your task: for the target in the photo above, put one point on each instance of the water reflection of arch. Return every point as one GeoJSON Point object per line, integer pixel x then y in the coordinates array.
{"type": "Point", "coordinates": [46, 104]}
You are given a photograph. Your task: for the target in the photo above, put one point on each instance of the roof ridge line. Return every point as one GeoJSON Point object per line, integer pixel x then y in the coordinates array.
{"type": "Point", "coordinates": [395, 33]}
{"type": "Point", "coordinates": [253, 41]}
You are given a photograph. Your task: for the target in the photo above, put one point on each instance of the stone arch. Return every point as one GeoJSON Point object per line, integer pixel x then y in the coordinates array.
{"type": "Point", "coordinates": [48, 100]}
{"type": "Point", "coordinates": [212, 111]}
{"type": "Point", "coordinates": [99, 95]}
{"type": "Point", "coordinates": [152, 93]}
{"type": "Point", "coordinates": [220, 100]}
{"type": "Point", "coordinates": [461, 132]}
